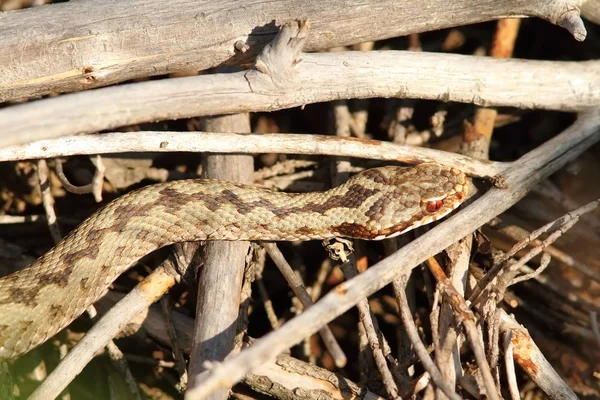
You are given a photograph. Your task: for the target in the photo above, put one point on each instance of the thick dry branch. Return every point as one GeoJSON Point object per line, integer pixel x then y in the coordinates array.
{"type": "Point", "coordinates": [520, 177]}
{"type": "Point", "coordinates": [215, 142]}
{"type": "Point", "coordinates": [86, 44]}
{"type": "Point", "coordinates": [220, 281]}
{"type": "Point", "coordinates": [567, 86]}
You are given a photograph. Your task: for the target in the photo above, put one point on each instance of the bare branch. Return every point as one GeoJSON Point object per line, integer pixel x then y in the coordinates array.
{"type": "Point", "coordinates": [299, 290]}
{"type": "Point", "coordinates": [48, 201]}
{"type": "Point", "coordinates": [215, 142]}
{"type": "Point", "coordinates": [567, 86]}
{"type": "Point", "coordinates": [220, 280]}
{"type": "Point", "coordinates": [86, 44]}
{"type": "Point", "coordinates": [419, 347]}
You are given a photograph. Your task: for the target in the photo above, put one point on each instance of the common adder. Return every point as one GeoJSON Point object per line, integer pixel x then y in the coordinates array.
{"type": "Point", "coordinates": [40, 300]}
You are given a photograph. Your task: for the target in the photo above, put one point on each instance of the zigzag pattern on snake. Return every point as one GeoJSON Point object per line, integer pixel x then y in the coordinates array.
{"type": "Point", "coordinates": [43, 298]}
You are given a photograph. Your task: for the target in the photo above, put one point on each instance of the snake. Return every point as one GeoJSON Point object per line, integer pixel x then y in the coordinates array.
{"type": "Point", "coordinates": [38, 301]}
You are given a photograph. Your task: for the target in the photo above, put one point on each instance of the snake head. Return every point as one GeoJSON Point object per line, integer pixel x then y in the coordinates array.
{"type": "Point", "coordinates": [403, 198]}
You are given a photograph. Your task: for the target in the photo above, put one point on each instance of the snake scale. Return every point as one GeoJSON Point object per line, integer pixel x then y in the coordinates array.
{"type": "Point", "coordinates": [41, 299]}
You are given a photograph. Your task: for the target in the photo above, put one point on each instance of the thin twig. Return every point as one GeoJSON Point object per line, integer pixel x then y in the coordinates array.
{"type": "Point", "coordinates": [509, 364]}
{"type": "Point", "coordinates": [300, 291]}
{"type": "Point", "coordinates": [532, 361]}
{"type": "Point", "coordinates": [94, 187]}
{"type": "Point", "coordinates": [116, 356]}
{"type": "Point", "coordinates": [267, 303]}
{"type": "Point", "coordinates": [516, 233]}
{"type": "Point", "coordinates": [180, 365]}
{"type": "Point", "coordinates": [68, 186]}
{"type": "Point", "coordinates": [556, 228]}
{"type": "Point", "coordinates": [418, 346]}
{"type": "Point", "coordinates": [322, 274]}
{"type": "Point", "coordinates": [544, 262]}
{"type": "Point", "coordinates": [367, 320]}
{"type": "Point", "coordinates": [465, 316]}
{"type": "Point", "coordinates": [48, 201]}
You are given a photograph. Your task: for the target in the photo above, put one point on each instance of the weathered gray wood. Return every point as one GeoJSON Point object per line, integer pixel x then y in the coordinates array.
{"type": "Point", "coordinates": [90, 43]}
{"type": "Point", "coordinates": [217, 142]}
{"type": "Point", "coordinates": [567, 86]}
{"type": "Point", "coordinates": [220, 279]}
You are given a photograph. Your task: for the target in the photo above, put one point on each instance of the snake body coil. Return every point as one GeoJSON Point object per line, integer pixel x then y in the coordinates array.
{"type": "Point", "coordinates": [43, 298]}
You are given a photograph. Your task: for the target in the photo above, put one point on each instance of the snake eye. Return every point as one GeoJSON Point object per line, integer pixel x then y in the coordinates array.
{"type": "Point", "coordinates": [434, 205]}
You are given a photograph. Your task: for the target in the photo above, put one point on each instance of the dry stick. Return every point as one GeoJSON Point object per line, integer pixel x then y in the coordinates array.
{"type": "Point", "coordinates": [465, 316]}
{"type": "Point", "coordinates": [180, 365]}
{"type": "Point", "coordinates": [95, 186]}
{"type": "Point", "coordinates": [215, 142]}
{"type": "Point", "coordinates": [517, 233]}
{"type": "Point", "coordinates": [520, 177]}
{"type": "Point", "coordinates": [558, 228]}
{"type": "Point", "coordinates": [290, 378]}
{"type": "Point", "coordinates": [448, 354]}
{"type": "Point", "coordinates": [418, 346]}
{"type": "Point", "coordinates": [340, 168]}
{"type": "Point", "coordinates": [475, 142]}
{"type": "Point", "coordinates": [48, 200]}
{"type": "Point", "coordinates": [121, 365]}
{"type": "Point", "coordinates": [502, 47]}
{"type": "Point", "coordinates": [267, 303]}
{"type": "Point", "coordinates": [139, 42]}
{"type": "Point", "coordinates": [405, 355]}
{"type": "Point", "coordinates": [98, 179]}
{"type": "Point", "coordinates": [340, 172]}
{"type": "Point", "coordinates": [298, 288]}
{"type": "Point", "coordinates": [367, 320]}
{"type": "Point", "coordinates": [141, 297]}
{"type": "Point", "coordinates": [509, 364]}
{"type": "Point", "coordinates": [21, 219]}
{"type": "Point", "coordinates": [544, 262]}
{"type": "Point", "coordinates": [591, 10]}
{"type": "Point", "coordinates": [68, 186]}
{"type": "Point", "coordinates": [565, 86]}
{"type": "Point", "coordinates": [553, 226]}
{"type": "Point", "coordinates": [220, 279]}
{"type": "Point", "coordinates": [532, 361]}
{"type": "Point", "coordinates": [506, 274]}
